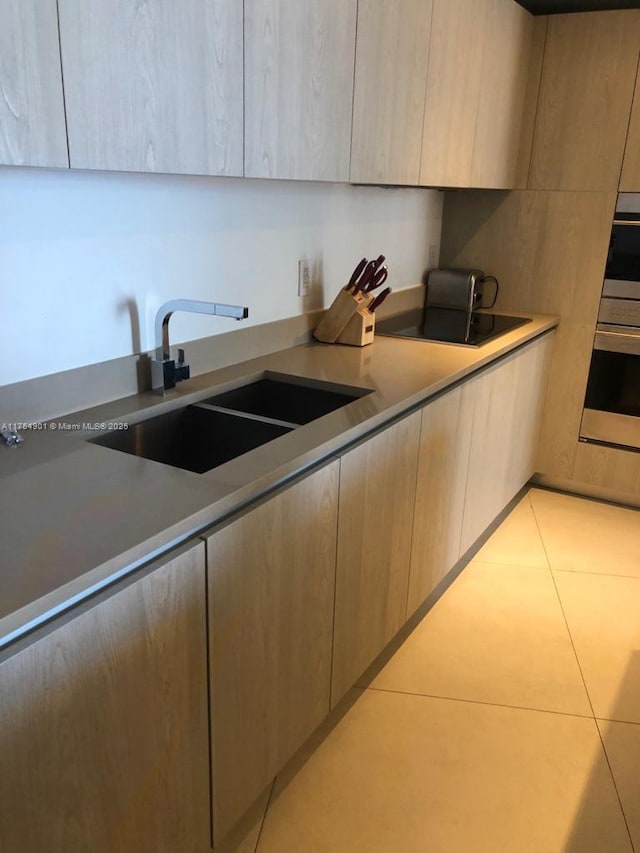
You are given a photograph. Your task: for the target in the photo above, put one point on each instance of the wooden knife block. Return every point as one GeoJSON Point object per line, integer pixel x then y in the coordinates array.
{"type": "Point", "coordinates": [347, 321]}
{"type": "Point", "coordinates": [359, 330]}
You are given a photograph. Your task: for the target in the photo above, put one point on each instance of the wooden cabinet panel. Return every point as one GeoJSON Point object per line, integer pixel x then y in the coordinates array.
{"type": "Point", "coordinates": [299, 59]}
{"type": "Point", "coordinates": [507, 47]}
{"type": "Point", "coordinates": [271, 589]}
{"type": "Point", "coordinates": [103, 724]}
{"type": "Point", "coordinates": [532, 372]}
{"type": "Point", "coordinates": [630, 179]}
{"type": "Point", "coordinates": [507, 401]}
{"type": "Point", "coordinates": [154, 87]}
{"type": "Point", "coordinates": [377, 495]}
{"type": "Point", "coordinates": [585, 99]}
{"type": "Point", "coordinates": [494, 416]}
{"type": "Point", "coordinates": [32, 126]}
{"type": "Point", "coordinates": [562, 240]}
{"type": "Point", "coordinates": [392, 54]}
{"type": "Point", "coordinates": [453, 91]}
{"type": "Point", "coordinates": [445, 441]}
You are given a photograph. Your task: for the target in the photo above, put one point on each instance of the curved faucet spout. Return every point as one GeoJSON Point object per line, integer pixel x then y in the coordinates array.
{"type": "Point", "coordinates": [164, 374]}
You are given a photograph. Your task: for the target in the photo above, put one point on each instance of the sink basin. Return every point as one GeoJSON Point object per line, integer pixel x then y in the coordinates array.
{"type": "Point", "coordinates": [203, 435]}
{"type": "Point", "coordinates": [286, 399]}
{"type": "Point", "coordinates": [193, 438]}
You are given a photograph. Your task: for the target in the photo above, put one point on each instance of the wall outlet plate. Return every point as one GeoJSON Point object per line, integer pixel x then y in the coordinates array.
{"type": "Point", "coordinates": [305, 277]}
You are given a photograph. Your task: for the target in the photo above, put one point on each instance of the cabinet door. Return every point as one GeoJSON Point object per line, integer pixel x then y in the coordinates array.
{"type": "Point", "coordinates": [103, 724]}
{"type": "Point", "coordinates": [586, 91]}
{"type": "Point", "coordinates": [453, 91]}
{"type": "Point", "coordinates": [271, 588]}
{"type": "Point", "coordinates": [508, 401]}
{"type": "Point", "coordinates": [392, 55]}
{"type": "Point", "coordinates": [532, 372]}
{"type": "Point", "coordinates": [299, 58]}
{"type": "Point", "coordinates": [507, 45]}
{"type": "Point", "coordinates": [443, 462]}
{"type": "Point", "coordinates": [630, 180]}
{"type": "Point", "coordinates": [377, 496]}
{"type": "Point", "coordinates": [153, 87]}
{"type": "Point", "coordinates": [32, 129]}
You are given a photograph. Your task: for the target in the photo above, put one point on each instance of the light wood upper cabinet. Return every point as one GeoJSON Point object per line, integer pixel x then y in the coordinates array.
{"type": "Point", "coordinates": [443, 462]}
{"type": "Point", "coordinates": [630, 180]}
{"type": "Point", "coordinates": [585, 99]}
{"type": "Point", "coordinates": [479, 67]}
{"type": "Point", "coordinates": [154, 86]}
{"type": "Point", "coordinates": [377, 494]}
{"type": "Point", "coordinates": [32, 127]}
{"type": "Point", "coordinates": [392, 55]}
{"type": "Point", "coordinates": [507, 47]}
{"type": "Point", "coordinates": [453, 91]}
{"type": "Point", "coordinates": [271, 588]}
{"type": "Point", "coordinates": [103, 724]}
{"type": "Point", "coordinates": [299, 59]}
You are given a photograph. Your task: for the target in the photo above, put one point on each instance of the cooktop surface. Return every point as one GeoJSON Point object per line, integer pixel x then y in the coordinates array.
{"type": "Point", "coordinates": [449, 325]}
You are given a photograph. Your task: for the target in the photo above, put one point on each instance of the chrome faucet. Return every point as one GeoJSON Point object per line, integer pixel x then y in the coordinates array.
{"type": "Point", "coordinates": [164, 370]}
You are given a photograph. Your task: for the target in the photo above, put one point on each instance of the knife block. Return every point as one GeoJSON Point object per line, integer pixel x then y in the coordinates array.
{"type": "Point", "coordinates": [359, 330]}
{"type": "Point", "coordinates": [343, 312]}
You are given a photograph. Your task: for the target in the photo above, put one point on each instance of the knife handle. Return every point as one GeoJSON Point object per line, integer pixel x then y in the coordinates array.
{"type": "Point", "coordinates": [377, 302]}
{"type": "Point", "coordinates": [356, 274]}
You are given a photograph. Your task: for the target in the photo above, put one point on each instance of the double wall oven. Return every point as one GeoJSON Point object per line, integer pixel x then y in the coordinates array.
{"type": "Point", "coordinates": [612, 403]}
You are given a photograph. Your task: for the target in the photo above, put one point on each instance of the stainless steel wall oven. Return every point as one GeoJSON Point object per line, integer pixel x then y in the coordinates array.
{"type": "Point", "coordinates": [612, 403]}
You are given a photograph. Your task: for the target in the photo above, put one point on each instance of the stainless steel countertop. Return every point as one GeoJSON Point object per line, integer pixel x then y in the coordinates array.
{"type": "Point", "coordinates": [75, 516]}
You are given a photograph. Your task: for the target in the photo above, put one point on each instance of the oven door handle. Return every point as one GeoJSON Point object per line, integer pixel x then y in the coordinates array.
{"type": "Point", "coordinates": [626, 343]}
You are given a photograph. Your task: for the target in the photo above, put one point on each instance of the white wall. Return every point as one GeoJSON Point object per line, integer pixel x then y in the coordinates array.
{"type": "Point", "coordinates": [83, 253]}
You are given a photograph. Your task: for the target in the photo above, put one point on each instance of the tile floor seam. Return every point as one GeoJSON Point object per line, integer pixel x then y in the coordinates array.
{"type": "Point", "coordinates": [615, 785]}
{"type": "Point", "coordinates": [597, 574]}
{"type": "Point", "coordinates": [535, 518]}
{"type": "Point", "coordinates": [264, 816]}
{"type": "Point", "coordinates": [624, 722]}
{"type": "Point", "coordinates": [475, 562]}
{"type": "Point", "coordinates": [481, 702]}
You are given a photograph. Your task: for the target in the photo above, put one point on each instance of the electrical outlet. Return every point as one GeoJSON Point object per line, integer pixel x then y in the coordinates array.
{"type": "Point", "coordinates": [432, 258]}
{"type": "Point", "coordinates": [305, 278]}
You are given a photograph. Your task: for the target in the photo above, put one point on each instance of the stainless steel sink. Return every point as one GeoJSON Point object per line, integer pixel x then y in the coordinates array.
{"type": "Point", "coordinates": [193, 438]}
{"type": "Point", "coordinates": [287, 399]}
{"type": "Point", "coordinates": [203, 435]}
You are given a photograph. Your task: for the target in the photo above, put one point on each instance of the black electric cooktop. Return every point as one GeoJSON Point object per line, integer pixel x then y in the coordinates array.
{"type": "Point", "coordinates": [449, 325]}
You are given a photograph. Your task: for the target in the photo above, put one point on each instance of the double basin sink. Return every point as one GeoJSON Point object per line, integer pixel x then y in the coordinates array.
{"type": "Point", "coordinates": [203, 435]}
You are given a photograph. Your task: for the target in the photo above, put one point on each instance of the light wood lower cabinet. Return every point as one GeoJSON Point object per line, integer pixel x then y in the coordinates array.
{"type": "Point", "coordinates": [377, 495]}
{"type": "Point", "coordinates": [507, 413]}
{"type": "Point", "coordinates": [443, 464]}
{"type": "Point", "coordinates": [103, 725]}
{"type": "Point", "coordinates": [271, 587]}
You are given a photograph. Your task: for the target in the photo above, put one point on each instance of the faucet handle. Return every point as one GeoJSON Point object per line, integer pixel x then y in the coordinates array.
{"type": "Point", "coordinates": [182, 368]}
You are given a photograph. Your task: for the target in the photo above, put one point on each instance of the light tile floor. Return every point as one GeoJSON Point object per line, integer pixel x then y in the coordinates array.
{"type": "Point", "coordinates": [508, 722]}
